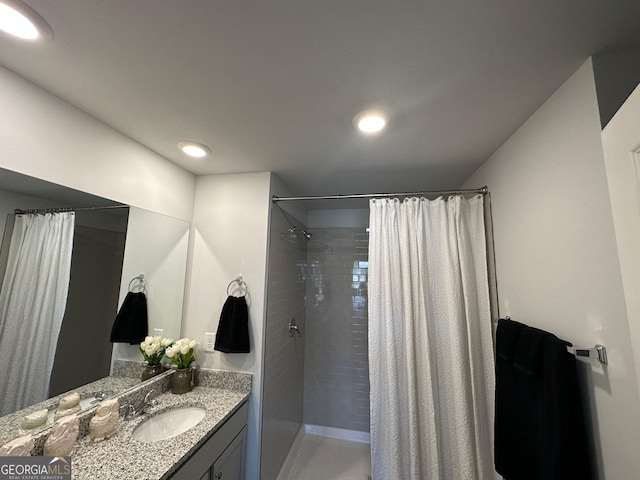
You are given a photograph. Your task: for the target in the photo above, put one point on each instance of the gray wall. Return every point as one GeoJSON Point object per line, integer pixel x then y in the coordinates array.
{"type": "Point", "coordinates": [92, 302]}
{"type": "Point", "coordinates": [284, 355]}
{"type": "Point", "coordinates": [616, 75]}
{"type": "Point", "coordinates": [336, 379]}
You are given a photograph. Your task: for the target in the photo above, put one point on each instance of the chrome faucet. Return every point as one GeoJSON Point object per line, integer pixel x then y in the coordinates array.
{"type": "Point", "coordinates": [132, 412]}
{"type": "Point", "coordinates": [99, 397]}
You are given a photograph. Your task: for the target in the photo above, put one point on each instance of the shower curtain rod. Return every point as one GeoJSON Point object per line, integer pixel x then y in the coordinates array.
{"type": "Point", "coordinates": [482, 191]}
{"type": "Point", "coordinates": [17, 211]}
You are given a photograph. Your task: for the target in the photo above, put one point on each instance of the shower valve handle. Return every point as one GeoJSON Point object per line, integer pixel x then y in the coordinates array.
{"type": "Point", "coordinates": [293, 328]}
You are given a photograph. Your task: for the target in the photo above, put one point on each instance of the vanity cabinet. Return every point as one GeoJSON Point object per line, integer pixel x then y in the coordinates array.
{"type": "Point", "coordinates": [230, 465]}
{"type": "Point", "coordinates": [222, 456]}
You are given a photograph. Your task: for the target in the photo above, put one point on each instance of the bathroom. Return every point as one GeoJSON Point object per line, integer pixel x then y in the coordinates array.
{"type": "Point", "coordinates": [557, 260]}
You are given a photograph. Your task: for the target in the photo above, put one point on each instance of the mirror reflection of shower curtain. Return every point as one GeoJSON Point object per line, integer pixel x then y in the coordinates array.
{"type": "Point", "coordinates": [32, 304]}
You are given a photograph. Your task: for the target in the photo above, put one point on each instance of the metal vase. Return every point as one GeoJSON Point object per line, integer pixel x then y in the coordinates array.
{"type": "Point", "coordinates": [182, 380]}
{"type": "Point", "coordinates": [151, 371]}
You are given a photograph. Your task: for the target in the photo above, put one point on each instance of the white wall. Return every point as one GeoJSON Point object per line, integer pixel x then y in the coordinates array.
{"type": "Point", "coordinates": [47, 138]}
{"type": "Point", "coordinates": [229, 238]}
{"type": "Point", "coordinates": [557, 264]}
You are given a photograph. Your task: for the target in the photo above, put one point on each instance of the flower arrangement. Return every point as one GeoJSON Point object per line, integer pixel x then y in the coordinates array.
{"type": "Point", "coordinates": [182, 353]}
{"type": "Point", "coordinates": [153, 349]}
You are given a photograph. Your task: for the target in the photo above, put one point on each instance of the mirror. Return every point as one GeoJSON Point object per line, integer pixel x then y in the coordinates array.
{"type": "Point", "coordinates": [113, 243]}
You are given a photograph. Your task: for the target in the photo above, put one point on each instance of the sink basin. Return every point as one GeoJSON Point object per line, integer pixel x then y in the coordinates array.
{"type": "Point", "coordinates": [168, 424]}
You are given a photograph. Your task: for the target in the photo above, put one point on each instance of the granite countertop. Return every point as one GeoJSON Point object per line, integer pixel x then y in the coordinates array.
{"type": "Point", "coordinates": [122, 457]}
{"type": "Point", "coordinates": [112, 386]}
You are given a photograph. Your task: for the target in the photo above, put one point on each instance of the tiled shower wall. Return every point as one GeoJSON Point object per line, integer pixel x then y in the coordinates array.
{"type": "Point", "coordinates": [336, 378]}
{"type": "Point", "coordinates": [284, 355]}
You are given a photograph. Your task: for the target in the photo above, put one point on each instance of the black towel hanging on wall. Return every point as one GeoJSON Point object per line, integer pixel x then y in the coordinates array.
{"type": "Point", "coordinates": [131, 323]}
{"type": "Point", "coordinates": [233, 328]}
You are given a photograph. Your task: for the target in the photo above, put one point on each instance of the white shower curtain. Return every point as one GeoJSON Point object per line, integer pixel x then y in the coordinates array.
{"type": "Point", "coordinates": [430, 344]}
{"type": "Point", "coordinates": [32, 303]}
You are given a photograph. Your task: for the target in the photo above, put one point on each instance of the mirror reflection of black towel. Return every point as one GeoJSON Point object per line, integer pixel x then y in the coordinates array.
{"type": "Point", "coordinates": [131, 324]}
{"type": "Point", "coordinates": [233, 328]}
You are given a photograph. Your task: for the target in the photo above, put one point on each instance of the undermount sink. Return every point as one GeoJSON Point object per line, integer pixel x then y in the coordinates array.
{"type": "Point", "coordinates": [168, 424]}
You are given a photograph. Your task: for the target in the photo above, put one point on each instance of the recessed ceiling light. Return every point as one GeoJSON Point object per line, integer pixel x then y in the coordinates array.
{"type": "Point", "coordinates": [194, 149]}
{"type": "Point", "coordinates": [371, 122]}
{"type": "Point", "coordinates": [20, 20]}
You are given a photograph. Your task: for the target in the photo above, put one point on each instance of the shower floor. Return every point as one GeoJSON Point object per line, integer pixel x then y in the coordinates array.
{"type": "Point", "coordinates": [315, 457]}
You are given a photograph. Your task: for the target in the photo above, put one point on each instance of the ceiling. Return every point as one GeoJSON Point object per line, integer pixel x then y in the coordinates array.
{"type": "Point", "coordinates": [274, 85]}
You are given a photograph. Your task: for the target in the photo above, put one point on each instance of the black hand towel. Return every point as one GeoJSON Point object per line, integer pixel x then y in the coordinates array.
{"type": "Point", "coordinates": [507, 338]}
{"type": "Point", "coordinates": [540, 431]}
{"type": "Point", "coordinates": [515, 401]}
{"type": "Point", "coordinates": [528, 355]}
{"type": "Point", "coordinates": [233, 328]}
{"type": "Point", "coordinates": [565, 441]}
{"type": "Point", "coordinates": [131, 324]}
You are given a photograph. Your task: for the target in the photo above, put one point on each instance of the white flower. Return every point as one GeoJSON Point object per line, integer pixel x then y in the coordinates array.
{"type": "Point", "coordinates": [166, 342]}
{"type": "Point", "coordinates": [181, 352]}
